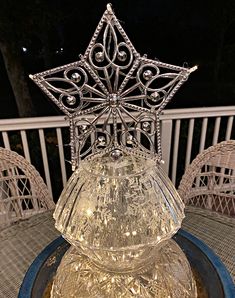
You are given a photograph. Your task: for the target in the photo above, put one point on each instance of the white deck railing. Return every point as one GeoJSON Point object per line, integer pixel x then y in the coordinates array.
{"type": "Point", "coordinates": [185, 132]}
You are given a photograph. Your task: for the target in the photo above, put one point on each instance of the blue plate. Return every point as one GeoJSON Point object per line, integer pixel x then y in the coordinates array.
{"type": "Point", "coordinates": [214, 275]}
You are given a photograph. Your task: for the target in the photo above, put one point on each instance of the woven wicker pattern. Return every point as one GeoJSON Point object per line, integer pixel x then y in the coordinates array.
{"type": "Point", "coordinates": [22, 190]}
{"type": "Point", "coordinates": [19, 245]}
{"type": "Point", "coordinates": [209, 182]}
{"type": "Point", "coordinates": [216, 230]}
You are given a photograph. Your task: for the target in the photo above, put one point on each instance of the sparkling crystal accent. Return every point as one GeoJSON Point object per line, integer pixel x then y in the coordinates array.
{"type": "Point", "coordinates": [83, 128]}
{"type": "Point", "coordinates": [148, 74]}
{"type": "Point", "coordinates": [76, 77]}
{"type": "Point", "coordinates": [101, 141]}
{"type": "Point", "coordinates": [129, 139]}
{"type": "Point", "coordinates": [99, 57]}
{"type": "Point", "coordinates": [155, 96]}
{"type": "Point", "coordinates": [146, 126]}
{"type": "Point", "coordinates": [71, 100]}
{"type": "Point", "coordinates": [116, 154]}
{"type": "Point", "coordinates": [122, 56]}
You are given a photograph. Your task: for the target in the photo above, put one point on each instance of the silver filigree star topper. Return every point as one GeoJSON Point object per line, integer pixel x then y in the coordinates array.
{"type": "Point", "coordinates": [112, 96]}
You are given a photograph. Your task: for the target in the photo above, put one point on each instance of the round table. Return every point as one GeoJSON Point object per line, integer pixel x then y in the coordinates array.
{"type": "Point", "coordinates": [214, 275]}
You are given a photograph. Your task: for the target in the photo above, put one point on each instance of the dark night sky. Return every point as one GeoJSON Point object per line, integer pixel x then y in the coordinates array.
{"type": "Point", "coordinates": [196, 32]}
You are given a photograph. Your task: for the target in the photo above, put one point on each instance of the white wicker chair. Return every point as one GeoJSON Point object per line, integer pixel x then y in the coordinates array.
{"type": "Point", "coordinates": [209, 181]}
{"type": "Point", "coordinates": [22, 190]}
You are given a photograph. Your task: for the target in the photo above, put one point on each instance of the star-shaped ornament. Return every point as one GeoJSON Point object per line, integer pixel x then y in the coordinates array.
{"type": "Point", "coordinates": [112, 96]}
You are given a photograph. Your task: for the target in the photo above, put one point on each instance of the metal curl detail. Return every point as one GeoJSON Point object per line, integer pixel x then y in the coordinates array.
{"type": "Point", "coordinates": [112, 84]}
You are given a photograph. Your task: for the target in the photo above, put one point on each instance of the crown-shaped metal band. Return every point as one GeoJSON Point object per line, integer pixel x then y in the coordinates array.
{"type": "Point", "coordinates": [112, 96]}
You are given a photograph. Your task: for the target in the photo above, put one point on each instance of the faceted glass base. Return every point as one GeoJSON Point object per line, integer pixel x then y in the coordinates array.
{"type": "Point", "coordinates": [117, 212]}
{"type": "Point", "coordinates": [168, 276]}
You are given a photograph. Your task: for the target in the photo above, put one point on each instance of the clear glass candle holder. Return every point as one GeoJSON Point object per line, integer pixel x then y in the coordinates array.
{"type": "Point", "coordinates": [118, 211]}
{"type": "Point", "coordinates": [169, 275]}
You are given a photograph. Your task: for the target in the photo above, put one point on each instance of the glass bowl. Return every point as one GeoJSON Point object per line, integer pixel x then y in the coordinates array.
{"type": "Point", "coordinates": [117, 211]}
{"type": "Point", "coordinates": [169, 276]}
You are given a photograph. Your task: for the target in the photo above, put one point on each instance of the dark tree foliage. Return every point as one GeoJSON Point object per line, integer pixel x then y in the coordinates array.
{"type": "Point", "coordinates": [200, 32]}
{"type": "Point", "coordinates": [21, 24]}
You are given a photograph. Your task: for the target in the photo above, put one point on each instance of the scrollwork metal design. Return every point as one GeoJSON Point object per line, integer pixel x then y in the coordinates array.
{"type": "Point", "coordinates": [112, 83]}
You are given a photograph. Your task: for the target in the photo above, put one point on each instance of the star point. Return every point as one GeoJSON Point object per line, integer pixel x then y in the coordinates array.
{"type": "Point", "coordinates": [112, 83]}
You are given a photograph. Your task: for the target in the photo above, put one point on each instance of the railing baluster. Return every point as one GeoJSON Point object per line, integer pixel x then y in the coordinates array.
{"type": "Point", "coordinates": [229, 128]}
{"type": "Point", "coordinates": [216, 130]}
{"type": "Point", "coordinates": [203, 134]}
{"type": "Point", "coordinates": [175, 150]}
{"type": "Point", "coordinates": [166, 143]}
{"type": "Point", "coordinates": [61, 155]}
{"type": "Point", "coordinates": [6, 140]}
{"type": "Point", "coordinates": [138, 134]}
{"type": "Point", "coordinates": [23, 125]}
{"type": "Point", "coordinates": [189, 142]}
{"type": "Point", "coordinates": [25, 145]}
{"type": "Point", "coordinates": [152, 138]}
{"type": "Point", "coordinates": [202, 142]}
{"type": "Point", "coordinates": [123, 138]}
{"type": "Point", "coordinates": [92, 136]}
{"type": "Point", "coordinates": [108, 130]}
{"type": "Point", "coordinates": [45, 160]}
